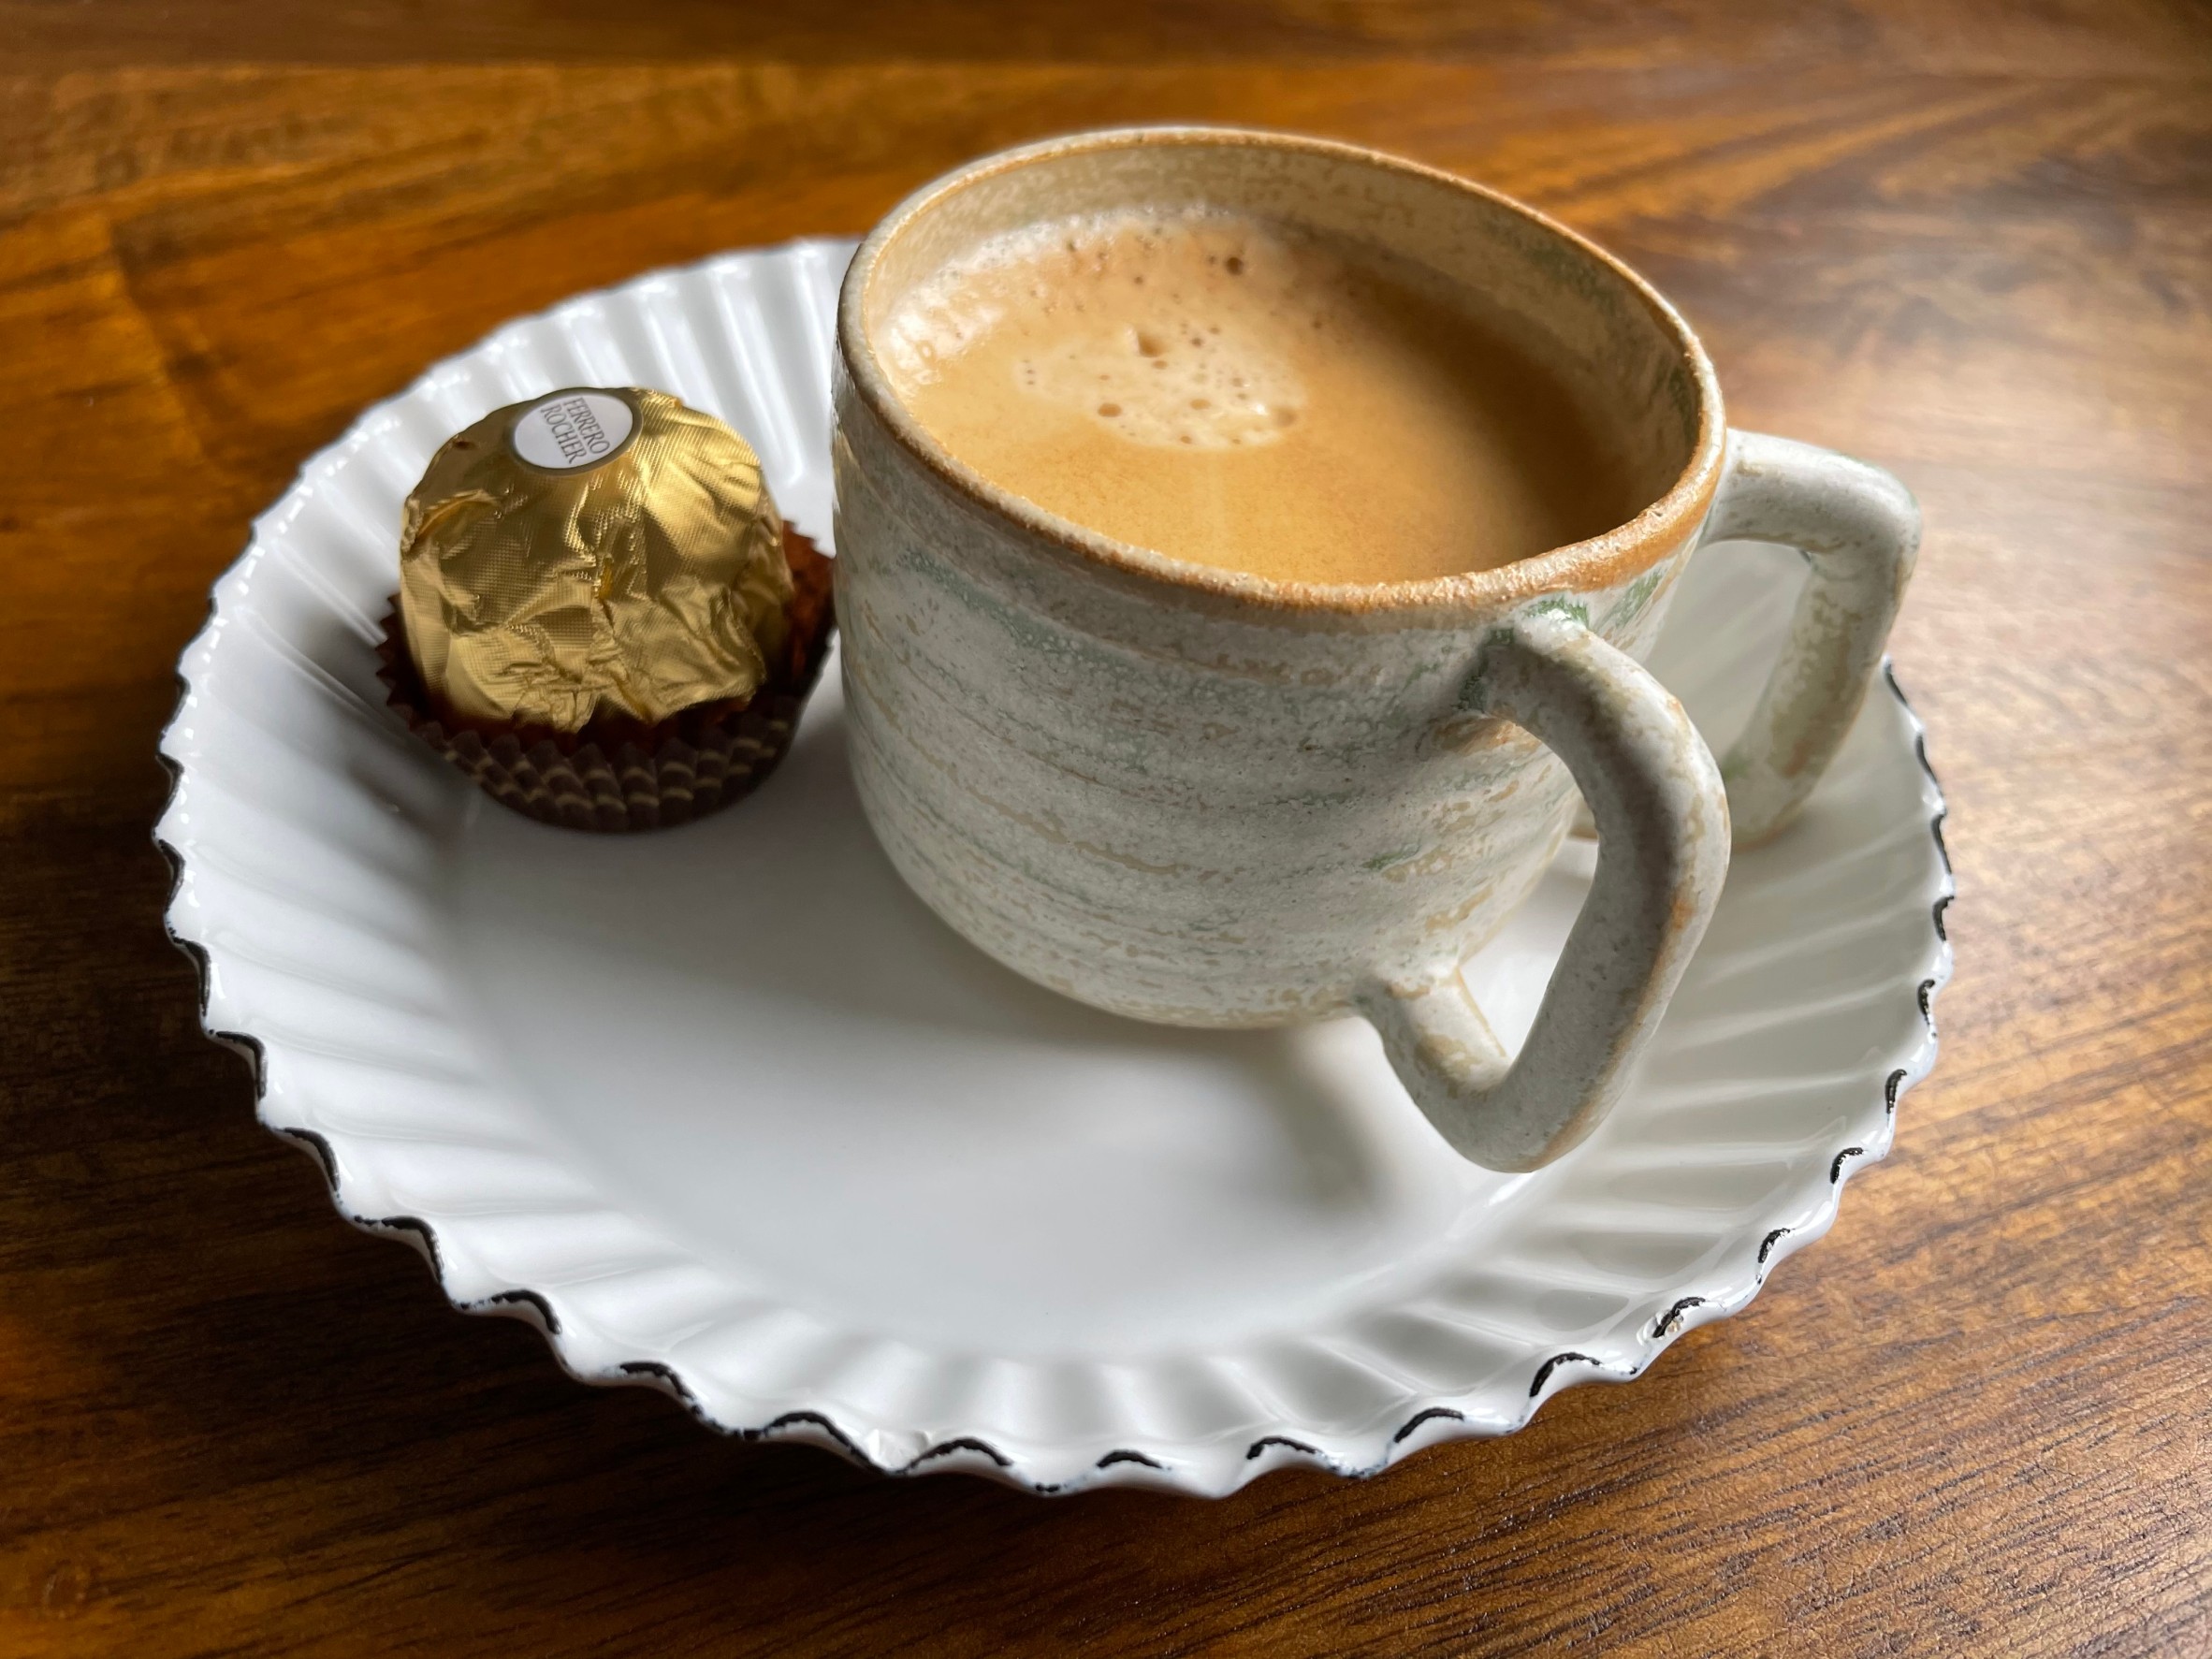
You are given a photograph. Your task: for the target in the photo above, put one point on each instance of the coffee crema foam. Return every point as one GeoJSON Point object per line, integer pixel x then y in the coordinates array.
{"type": "Point", "coordinates": [1248, 397]}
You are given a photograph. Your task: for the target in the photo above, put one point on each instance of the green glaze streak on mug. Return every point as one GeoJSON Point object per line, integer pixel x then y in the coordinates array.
{"type": "Point", "coordinates": [1638, 599]}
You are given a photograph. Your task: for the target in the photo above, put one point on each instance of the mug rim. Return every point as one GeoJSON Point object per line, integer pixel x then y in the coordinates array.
{"type": "Point", "coordinates": [1614, 555]}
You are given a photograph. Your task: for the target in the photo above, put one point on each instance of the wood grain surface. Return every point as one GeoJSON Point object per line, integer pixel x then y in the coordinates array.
{"type": "Point", "coordinates": [1971, 241]}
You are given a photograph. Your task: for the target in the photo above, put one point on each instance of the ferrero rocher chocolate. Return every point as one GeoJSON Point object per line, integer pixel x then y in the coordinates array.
{"type": "Point", "coordinates": [601, 620]}
{"type": "Point", "coordinates": [597, 552]}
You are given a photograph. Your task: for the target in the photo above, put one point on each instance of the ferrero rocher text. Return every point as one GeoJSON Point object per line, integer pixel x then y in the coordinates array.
{"type": "Point", "coordinates": [596, 552]}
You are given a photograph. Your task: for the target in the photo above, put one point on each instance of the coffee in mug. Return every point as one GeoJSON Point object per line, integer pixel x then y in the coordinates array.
{"type": "Point", "coordinates": [1254, 397]}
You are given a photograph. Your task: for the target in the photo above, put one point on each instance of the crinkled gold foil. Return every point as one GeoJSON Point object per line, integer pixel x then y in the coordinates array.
{"type": "Point", "coordinates": [639, 584]}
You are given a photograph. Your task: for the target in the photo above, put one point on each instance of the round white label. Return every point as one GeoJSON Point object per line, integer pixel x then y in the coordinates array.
{"type": "Point", "coordinates": [571, 429]}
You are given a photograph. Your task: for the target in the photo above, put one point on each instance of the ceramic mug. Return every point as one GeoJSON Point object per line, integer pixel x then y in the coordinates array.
{"type": "Point", "coordinates": [1204, 797]}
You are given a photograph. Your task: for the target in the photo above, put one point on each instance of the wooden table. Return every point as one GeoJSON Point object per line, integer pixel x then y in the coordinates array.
{"type": "Point", "coordinates": [1973, 246]}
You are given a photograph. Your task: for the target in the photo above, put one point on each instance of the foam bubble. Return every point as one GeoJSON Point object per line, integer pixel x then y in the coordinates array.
{"type": "Point", "coordinates": [1174, 383]}
{"type": "Point", "coordinates": [1129, 321]}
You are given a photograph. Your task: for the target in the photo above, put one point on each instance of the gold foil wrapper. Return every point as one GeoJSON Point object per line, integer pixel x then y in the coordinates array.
{"type": "Point", "coordinates": [556, 564]}
{"type": "Point", "coordinates": [619, 775]}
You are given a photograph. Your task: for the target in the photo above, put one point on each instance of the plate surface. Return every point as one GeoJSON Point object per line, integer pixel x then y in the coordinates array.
{"type": "Point", "coordinates": [726, 1110]}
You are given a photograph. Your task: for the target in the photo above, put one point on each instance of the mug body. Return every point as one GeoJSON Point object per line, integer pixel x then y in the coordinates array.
{"type": "Point", "coordinates": [1200, 796]}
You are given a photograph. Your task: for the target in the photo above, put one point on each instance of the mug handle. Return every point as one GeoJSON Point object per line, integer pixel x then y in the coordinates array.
{"type": "Point", "coordinates": [1661, 806]}
{"type": "Point", "coordinates": [1859, 529]}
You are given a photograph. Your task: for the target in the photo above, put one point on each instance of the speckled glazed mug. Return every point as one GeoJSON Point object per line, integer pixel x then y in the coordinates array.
{"type": "Point", "coordinates": [1204, 797]}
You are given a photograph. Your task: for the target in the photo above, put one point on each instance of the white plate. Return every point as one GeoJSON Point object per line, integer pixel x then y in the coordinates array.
{"type": "Point", "coordinates": [725, 1110]}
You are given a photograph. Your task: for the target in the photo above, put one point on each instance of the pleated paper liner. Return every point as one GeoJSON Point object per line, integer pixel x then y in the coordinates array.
{"type": "Point", "coordinates": [618, 774]}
